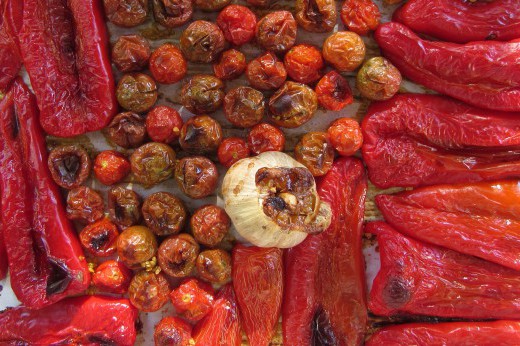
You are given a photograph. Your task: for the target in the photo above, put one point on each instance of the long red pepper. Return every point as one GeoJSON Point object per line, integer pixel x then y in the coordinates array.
{"type": "Point", "coordinates": [414, 140]}
{"type": "Point", "coordinates": [10, 57]}
{"type": "Point", "coordinates": [88, 320]}
{"type": "Point", "coordinates": [420, 279]}
{"type": "Point", "coordinates": [503, 333]}
{"type": "Point", "coordinates": [484, 74]}
{"type": "Point", "coordinates": [65, 51]}
{"type": "Point", "coordinates": [46, 262]}
{"type": "Point", "coordinates": [324, 293]}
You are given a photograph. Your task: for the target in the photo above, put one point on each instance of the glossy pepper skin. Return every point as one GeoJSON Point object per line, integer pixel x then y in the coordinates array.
{"type": "Point", "coordinates": [484, 73]}
{"type": "Point", "coordinates": [420, 279]}
{"type": "Point", "coordinates": [87, 320]}
{"type": "Point", "coordinates": [462, 21]}
{"type": "Point", "coordinates": [414, 140]}
{"type": "Point", "coordinates": [10, 58]}
{"type": "Point", "coordinates": [46, 262]}
{"type": "Point", "coordinates": [504, 333]}
{"type": "Point", "coordinates": [65, 51]}
{"type": "Point", "coordinates": [318, 307]}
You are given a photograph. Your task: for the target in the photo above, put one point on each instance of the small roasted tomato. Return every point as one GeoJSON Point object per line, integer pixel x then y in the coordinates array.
{"type": "Point", "coordinates": [70, 165]}
{"type": "Point", "coordinates": [172, 13]}
{"type": "Point", "coordinates": [163, 124]}
{"type": "Point", "coordinates": [126, 13]}
{"type": "Point", "coordinates": [173, 331]}
{"type": "Point", "coordinates": [276, 31]}
{"type": "Point", "coordinates": [177, 255]}
{"type": "Point", "coordinates": [202, 94]}
{"type": "Point", "coordinates": [164, 213]}
{"type": "Point", "coordinates": [110, 167]}
{"type": "Point", "coordinates": [265, 137]}
{"type": "Point", "coordinates": [167, 64]}
{"type": "Point", "coordinates": [136, 245]}
{"type": "Point", "coordinates": [344, 50]}
{"type": "Point", "coordinates": [292, 105]}
{"type": "Point", "coordinates": [136, 92]}
{"type": "Point", "coordinates": [345, 136]}
{"type": "Point", "coordinates": [196, 176]}
{"type": "Point", "coordinates": [230, 65]}
{"type": "Point", "coordinates": [266, 72]}
{"type": "Point", "coordinates": [315, 152]}
{"type": "Point", "coordinates": [202, 42]}
{"type": "Point", "coordinates": [112, 277]}
{"type": "Point", "coordinates": [152, 163]}
{"type": "Point", "coordinates": [148, 291]}
{"type": "Point", "coordinates": [211, 5]}
{"type": "Point", "coordinates": [244, 106]}
{"type": "Point", "coordinates": [193, 299]}
{"type": "Point", "coordinates": [131, 53]}
{"type": "Point", "coordinates": [360, 16]}
{"type": "Point", "coordinates": [84, 204]}
{"type": "Point", "coordinates": [238, 23]}
{"type": "Point", "coordinates": [214, 266]}
{"type": "Point", "coordinates": [231, 150]}
{"type": "Point", "coordinates": [123, 206]}
{"type": "Point", "coordinates": [378, 79]}
{"type": "Point", "coordinates": [127, 130]}
{"type": "Point", "coordinates": [316, 15]}
{"type": "Point", "coordinates": [200, 134]}
{"type": "Point", "coordinates": [209, 225]}
{"type": "Point", "coordinates": [99, 238]}
{"type": "Point", "coordinates": [334, 92]}
{"type": "Point", "coordinates": [304, 63]}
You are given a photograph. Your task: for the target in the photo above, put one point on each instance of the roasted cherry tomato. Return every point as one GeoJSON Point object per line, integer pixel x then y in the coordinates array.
{"type": "Point", "coordinates": [378, 79]}
{"type": "Point", "coordinates": [266, 72]}
{"type": "Point", "coordinates": [231, 150]}
{"type": "Point", "coordinates": [202, 94]}
{"type": "Point", "coordinates": [136, 92]}
{"type": "Point", "coordinates": [211, 5]}
{"type": "Point", "coordinates": [230, 65]}
{"type": "Point", "coordinates": [316, 15]}
{"type": "Point", "coordinates": [110, 167]}
{"type": "Point", "coordinates": [167, 64]}
{"type": "Point", "coordinates": [196, 176]}
{"type": "Point", "coordinates": [126, 130]}
{"type": "Point", "coordinates": [177, 255]}
{"type": "Point", "coordinates": [344, 50]}
{"type": "Point", "coordinates": [276, 31]}
{"type": "Point", "coordinates": [200, 134]}
{"type": "Point", "coordinates": [244, 106]}
{"type": "Point", "coordinates": [238, 23]}
{"type": "Point", "coordinates": [315, 152]}
{"type": "Point", "coordinates": [360, 16]}
{"type": "Point", "coordinates": [148, 291]}
{"type": "Point", "coordinates": [84, 205]}
{"type": "Point", "coordinates": [292, 105]}
{"type": "Point", "coordinates": [214, 266]}
{"type": "Point", "coordinates": [172, 331]}
{"type": "Point", "coordinates": [172, 13]}
{"type": "Point", "coordinates": [345, 136]}
{"type": "Point", "coordinates": [69, 165]}
{"type": "Point", "coordinates": [163, 124]}
{"type": "Point", "coordinates": [202, 42]}
{"type": "Point", "coordinates": [304, 63]}
{"type": "Point", "coordinates": [164, 213]}
{"type": "Point", "coordinates": [334, 92]}
{"type": "Point", "coordinates": [209, 225]}
{"type": "Point", "coordinates": [193, 299]}
{"type": "Point", "coordinates": [112, 277]}
{"type": "Point", "coordinates": [131, 53]}
{"type": "Point", "coordinates": [99, 238]}
{"type": "Point", "coordinates": [135, 246]}
{"type": "Point", "coordinates": [126, 13]}
{"type": "Point", "coordinates": [265, 137]}
{"type": "Point", "coordinates": [123, 206]}
{"type": "Point", "coordinates": [152, 163]}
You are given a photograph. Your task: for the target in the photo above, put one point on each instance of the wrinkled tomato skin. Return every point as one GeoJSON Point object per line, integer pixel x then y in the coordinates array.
{"type": "Point", "coordinates": [131, 53]}
{"type": "Point", "coordinates": [214, 266]}
{"type": "Point", "coordinates": [304, 63]}
{"type": "Point", "coordinates": [110, 167]}
{"type": "Point", "coordinates": [292, 105]}
{"type": "Point", "coordinates": [85, 205]}
{"type": "Point", "coordinates": [126, 13]}
{"type": "Point", "coordinates": [172, 13]}
{"type": "Point", "coordinates": [202, 94]}
{"type": "Point", "coordinates": [193, 299]}
{"type": "Point", "coordinates": [345, 136]}
{"type": "Point", "coordinates": [244, 106]}
{"type": "Point", "coordinates": [238, 23]}
{"type": "Point", "coordinates": [316, 15]}
{"type": "Point", "coordinates": [315, 152]}
{"type": "Point", "coordinates": [112, 277]}
{"type": "Point", "coordinates": [124, 206]}
{"type": "Point", "coordinates": [69, 165]}
{"type": "Point", "coordinates": [334, 92]}
{"type": "Point", "coordinates": [177, 255]}
{"type": "Point", "coordinates": [196, 176]}
{"type": "Point", "coordinates": [163, 124]}
{"type": "Point", "coordinates": [136, 92]}
{"type": "Point", "coordinates": [200, 135]}
{"type": "Point", "coordinates": [360, 16]}
{"type": "Point", "coordinates": [127, 130]}
{"type": "Point", "coordinates": [276, 31]}
{"type": "Point", "coordinates": [148, 291]}
{"type": "Point", "coordinates": [99, 238]}
{"type": "Point", "coordinates": [231, 150]}
{"type": "Point", "coordinates": [344, 50]}
{"type": "Point", "coordinates": [172, 331]}
{"type": "Point", "coordinates": [265, 137]}
{"type": "Point", "coordinates": [202, 42]}
{"type": "Point", "coordinates": [167, 64]}
{"type": "Point", "coordinates": [258, 284]}
{"type": "Point", "coordinates": [266, 72]}
{"type": "Point", "coordinates": [230, 65]}
{"type": "Point", "coordinates": [209, 225]}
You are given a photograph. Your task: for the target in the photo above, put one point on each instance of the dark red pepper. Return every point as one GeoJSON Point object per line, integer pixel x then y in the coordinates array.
{"type": "Point", "coordinates": [46, 262]}
{"type": "Point", "coordinates": [3, 253]}
{"type": "Point", "coordinates": [462, 20]}
{"type": "Point", "coordinates": [10, 57]}
{"type": "Point", "coordinates": [87, 320]}
{"type": "Point", "coordinates": [65, 51]}
{"type": "Point", "coordinates": [414, 140]}
{"type": "Point", "coordinates": [484, 74]}
{"type": "Point", "coordinates": [420, 279]}
{"type": "Point", "coordinates": [319, 308]}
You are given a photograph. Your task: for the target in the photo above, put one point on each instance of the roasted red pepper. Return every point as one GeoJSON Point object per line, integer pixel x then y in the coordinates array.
{"type": "Point", "coordinates": [319, 308]}
{"type": "Point", "coordinates": [46, 262]}
{"type": "Point", "coordinates": [3, 253]}
{"type": "Point", "coordinates": [462, 20]}
{"type": "Point", "coordinates": [484, 74]}
{"type": "Point", "coordinates": [503, 333]}
{"type": "Point", "coordinates": [414, 140]}
{"type": "Point", "coordinates": [420, 279]}
{"type": "Point", "coordinates": [258, 284]}
{"type": "Point", "coordinates": [88, 320]}
{"type": "Point", "coordinates": [10, 58]}
{"type": "Point", "coordinates": [65, 51]}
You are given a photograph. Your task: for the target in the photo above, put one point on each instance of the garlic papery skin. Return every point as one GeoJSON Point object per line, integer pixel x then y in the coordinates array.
{"type": "Point", "coordinates": [263, 210]}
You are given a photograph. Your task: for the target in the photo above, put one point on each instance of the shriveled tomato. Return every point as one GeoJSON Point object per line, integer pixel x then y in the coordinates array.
{"type": "Point", "coordinates": [231, 150]}
{"type": "Point", "coordinates": [230, 65]}
{"type": "Point", "coordinates": [304, 63]}
{"type": "Point", "coordinates": [163, 124]}
{"type": "Point", "coordinates": [193, 299]}
{"type": "Point", "coordinates": [238, 23]}
{"type": "Point", "coordinates": [266, 72]}
{"type": "Point", "coordinates": [172, 331]}
{"type": "Point", "coordinates": [110, 167]}
{"type": "Point", "coordinates": [360, 16]}
{"type": "Point", "coordinates": [334, 92]}
{"type": "Point", "coordinates": [112, 277]}
{"type": "Point", "coordinates": [167, 64]}
{"type": "Point", "coordinates": [315, 152]}
{"type": "Point", "coordinates": [99, 238]}
{"type": "Point", "coordinates": [265, 137]}
{"type": "Point", "coordinates": [345, 136]}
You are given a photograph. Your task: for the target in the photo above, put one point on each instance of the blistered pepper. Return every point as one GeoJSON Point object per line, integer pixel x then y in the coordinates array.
{"type": "Point", "coordinates": [318, 307]}
{"type": "Point", "coordinates": [46, 262]}
{"type": "Point", "coordinates": [414, 140]}
{"type": "Point", "coordinates": [10, 58]}
{"type": "Point", "coordinates": [484, 74]}
{"type": "Point", "coordinates": [65, 51]}
{"type": "Point", "coordinates": [420, 279]}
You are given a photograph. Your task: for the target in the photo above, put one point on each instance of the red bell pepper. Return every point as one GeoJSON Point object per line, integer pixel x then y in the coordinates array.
{"type": "Point", "coordinates": [462, 21]}
{"type": "Point", "coordinates": [414, 140]}
{"type": "Point", "coordinates": [88, 320]}
{"type": "Point", "coordinates": [503, 333]}
{"type": "Point", "coordinates": [420, 279]}
{"type": "Point", "coordinates": [10, 58]}
{"type": "Point", "coordinates": [484, 74]}
{"type": "Point", "coordinates": [480, 219]}
{"type": "Point", "coordinates": [258, 284]}
{"type": "Point", "coordinates": [324, 293]}
{"type": "Point", "coordinates": [46, 262]}
{"type": "Point", "coordinates": [3, 253]}
{"type": "Point", "coordinates": [65, 51]}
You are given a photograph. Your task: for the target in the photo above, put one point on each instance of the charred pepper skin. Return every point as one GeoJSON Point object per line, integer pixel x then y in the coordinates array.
{"type": "Point", "coordinates": [10, 57]}
{"type": "Point", "coordinates": [415, 140]}
{"type": "Point", "coordinates": [483, 74]}
{"type": "Point", "coordinates": [318, 309]}
{"type": "Point", "coordinates": [87, 320]}
{"type": "Point", "coordinates": [46, 262]}
{"type": "Point", "coordinates": [420, 279]}
{"type": "Point", "coordinates": [462, 21]}
{"type": "Point", "coordinates": [65, 51]}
